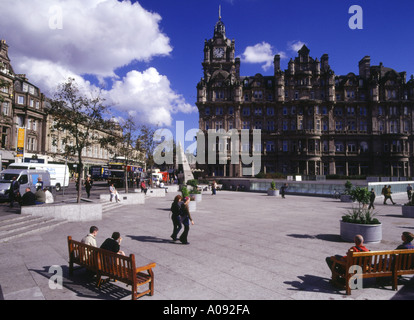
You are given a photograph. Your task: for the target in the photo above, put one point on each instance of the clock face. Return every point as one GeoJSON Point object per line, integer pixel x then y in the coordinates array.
{"type": "Point", "coordinates": [218, 52]}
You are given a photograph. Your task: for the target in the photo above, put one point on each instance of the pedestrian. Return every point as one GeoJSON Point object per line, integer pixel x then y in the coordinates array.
{"type": "Point", "coordinates": [113, 193]}
{"type": "Point", "coordinates": [49, 195]}
{"type": "Point", "coordinates": [88, 186]}
{"type": "Point", "coordinates": [409, 191]}
{"type": "Point", "coordinates": [185, 219]}
{"type": "Point", "coordinates": [29, 198]}
{"type": "Point", "coordinates": [14, 191]}
{"type": "Point", "coordinates": [40, 196]}
{"type": "Point", "coordinates": [39, 183]}
{"type": "Point", "coordinates": [372, 197]}
{"type": "Point", "coordinates": [175, 217]}
{"type": "Point", "coordinates": [214, 187]}
{"type": "Point", "coordinates": [143, 187]}
{"type": "Point", "coordinates": [90, 238]}
{"type": "Point", "coordinates": [283, 190]}
{"type": "Point", "coordinates": [113, 244]}
{"type": "Point", "coordinates": [388, 195]}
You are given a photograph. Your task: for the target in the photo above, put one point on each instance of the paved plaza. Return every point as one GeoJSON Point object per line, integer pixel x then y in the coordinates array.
{"type": "Point", "coordinates": [243, 246]}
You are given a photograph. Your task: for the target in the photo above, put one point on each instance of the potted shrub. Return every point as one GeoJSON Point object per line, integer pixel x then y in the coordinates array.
{"type": "Point", "coordinates": [346, 196]}
{"type": "Point", "coordinates": [272, 191]}
{"type": "Point", "coordinates": [185, 193]}
{"type": "Point", "coordinates": [194, 192]}
{"type": "Point", "coordinates": [360, 220]}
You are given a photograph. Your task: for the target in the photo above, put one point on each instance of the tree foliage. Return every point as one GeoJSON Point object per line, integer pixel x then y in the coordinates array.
{"type": "Point", "coordinates": [81, 119]}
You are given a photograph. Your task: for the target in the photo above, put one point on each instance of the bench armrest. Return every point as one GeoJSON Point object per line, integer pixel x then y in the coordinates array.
{"type": "Point", "coordinates": [147, 267]}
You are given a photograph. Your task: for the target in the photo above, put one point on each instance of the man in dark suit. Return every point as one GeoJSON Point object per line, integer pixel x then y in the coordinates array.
{"type": "Point", "coordinates": [14, 191]}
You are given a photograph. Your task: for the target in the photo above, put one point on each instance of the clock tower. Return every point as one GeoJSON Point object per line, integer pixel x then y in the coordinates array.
{"type": "Point", "coordinates": [219, 54]}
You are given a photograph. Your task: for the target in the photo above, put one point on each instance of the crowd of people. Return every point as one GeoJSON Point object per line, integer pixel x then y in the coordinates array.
{"type": "Point", "coordinates": [29, 198]}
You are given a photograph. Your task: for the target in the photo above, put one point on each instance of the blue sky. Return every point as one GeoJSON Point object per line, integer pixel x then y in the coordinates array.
{"type": "Point", "coordinates": [147, 54]}
{"type": "Point", "coordinates": [322, 25]}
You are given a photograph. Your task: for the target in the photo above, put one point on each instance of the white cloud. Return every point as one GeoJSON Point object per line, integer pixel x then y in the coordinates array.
{"type": "Point", "coordinates": [52, 40]}
{"type": "Point", "coordinates": [295, 45]}
{"type": "Point", "coordinates": [148, 97]}
{"type": "Point", "coordinates": [261, 53]}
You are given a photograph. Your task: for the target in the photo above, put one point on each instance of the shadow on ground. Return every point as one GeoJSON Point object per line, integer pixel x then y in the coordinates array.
{"type": "Point", "coordinates": [83, 284]}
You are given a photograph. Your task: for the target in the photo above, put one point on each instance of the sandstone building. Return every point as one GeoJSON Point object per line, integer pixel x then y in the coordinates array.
{"type": "Point", "coordinates": [312, 121]}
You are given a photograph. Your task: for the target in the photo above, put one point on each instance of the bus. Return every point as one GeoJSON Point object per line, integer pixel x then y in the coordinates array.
{"type": "Point", "coordinates": [116, 174]}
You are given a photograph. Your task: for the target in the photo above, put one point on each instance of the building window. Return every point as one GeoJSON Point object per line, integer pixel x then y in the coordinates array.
{"type": "Point", "coordinates": [285, 125]}
{"type": "Point", "coordinates": [258, 125]}
{"type": "Point", "coordinates": [20, 99]}
{"type": "Point", "coordinates": [363, 146]}
{"type": "Point", "coordinates": [339, 147]}
{"type": "Point", "coordinates": [258, 95]}
{"type": "Point", "coordinates": [270, 111]}
{"type": "Point", "coordinates": [230, 110]}
{"type": "Point", "coordinates": [394, 126]}
{"type": "Point", "coordinates": [381, 126]}
{"type": "Point", "coordinates": [246, 125]}
{"type": "Point", "coordinates": [270, 146]}
{"type": "Point", "coordinates": [246, 111]}
{"type": "Point", "coordinates": [285, 146]}
{"type": "Point", "coordinates": [207, 111]}
{"type": "Point", "coordinates": [258, 111]}
{"type": "Point", "coordinates": [363, 127]}
{"type": "Point", "coordinates": [351, 147]}
{"type": "Point", "coordinates": [324, 125]}
{"type": "Point", "coordinates": [6, 108]}
{"type": "Point", "coordinates": [270, 126]}
{"type": "Point", "coordinates": [219, 111]}
{"type": "Point", "coordinates": [338, 125]}
{"type": "Point", "coordinates": [350, 111]}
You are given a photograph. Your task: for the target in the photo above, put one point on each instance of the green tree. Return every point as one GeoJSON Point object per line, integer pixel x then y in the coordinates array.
{"type": "Point", "coordinates": [82, 118]}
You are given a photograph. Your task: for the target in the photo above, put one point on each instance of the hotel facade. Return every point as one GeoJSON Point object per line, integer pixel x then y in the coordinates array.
{"type": "Point", "coordinates": [312, 121]}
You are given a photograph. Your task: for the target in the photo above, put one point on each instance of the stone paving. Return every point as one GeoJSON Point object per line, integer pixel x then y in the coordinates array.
{"type": "Point", "coordinates": [243, 246]}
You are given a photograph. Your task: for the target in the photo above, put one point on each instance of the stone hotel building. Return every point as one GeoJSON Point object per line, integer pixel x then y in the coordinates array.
{"type": "Point", "coordinates": [312, 121]}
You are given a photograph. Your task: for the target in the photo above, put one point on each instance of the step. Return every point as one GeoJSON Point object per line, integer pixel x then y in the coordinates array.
{"type": "Point", "coordinates": [16, 221]}
{"type": "Point", "coordinates": [26, 225]}
{"type": "Point", "coordinates": [108, 206]}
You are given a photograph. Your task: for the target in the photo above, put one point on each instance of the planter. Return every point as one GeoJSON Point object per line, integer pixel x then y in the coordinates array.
{"type": "Point", "coordinates": [346, 198]}
{"type": "Point", "coordinates": [271, 192]}
{"type": "Point", "coordinates": [197, 196]}
{"type": "Point", "coordinates": [408, 211]}
{"type": "Point", "coordinates": [192, 206]}
{"type": "Point", "coordinates": [372, 233]}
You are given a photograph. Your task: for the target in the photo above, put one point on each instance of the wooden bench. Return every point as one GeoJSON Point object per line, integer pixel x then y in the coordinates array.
{"type": "Point", "coordinates": [110, 264]}
{"type": "Point", "coordinates": [374, 264]}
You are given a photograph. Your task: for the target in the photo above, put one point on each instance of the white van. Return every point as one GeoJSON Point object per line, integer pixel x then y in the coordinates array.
{"type": "Point", "coordinates": [26, 178]}
{"type": "Point", "coordinates": [59, 173]}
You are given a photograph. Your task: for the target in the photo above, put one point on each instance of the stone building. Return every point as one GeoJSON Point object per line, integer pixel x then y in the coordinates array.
{"type": "Point", "coordinates": [312, 121]}
{"type": "Point", "coordinates": [22, 107]}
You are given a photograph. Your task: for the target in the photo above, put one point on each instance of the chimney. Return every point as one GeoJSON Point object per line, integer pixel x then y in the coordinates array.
{"type": "Point", "coordinates": [364, 67]}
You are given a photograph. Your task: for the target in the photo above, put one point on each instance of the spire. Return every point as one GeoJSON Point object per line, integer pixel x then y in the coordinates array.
{"type": "Point", "coordinates": [219, 28]}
